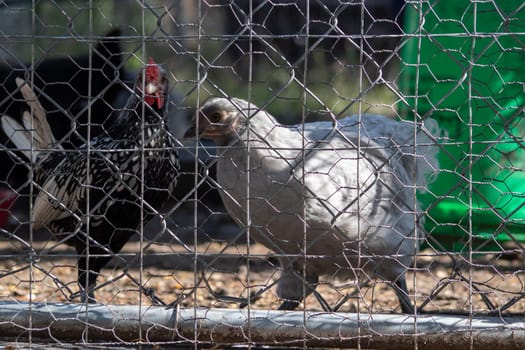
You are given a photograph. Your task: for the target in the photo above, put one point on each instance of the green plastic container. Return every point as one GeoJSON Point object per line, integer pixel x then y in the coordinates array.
{"type": "Point", "coordinates": [465, 67]}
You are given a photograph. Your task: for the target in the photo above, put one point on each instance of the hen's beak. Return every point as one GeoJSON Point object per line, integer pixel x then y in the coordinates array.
{"type": "Point", "coordinates": [192, 132]}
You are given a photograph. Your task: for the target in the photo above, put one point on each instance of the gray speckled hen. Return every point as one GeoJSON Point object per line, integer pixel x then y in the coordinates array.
{"type": "Point", "coordinates": [342, 193]}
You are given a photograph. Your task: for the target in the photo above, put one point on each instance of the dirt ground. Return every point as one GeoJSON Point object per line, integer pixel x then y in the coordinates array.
{"type": "Point", "coordinates": [225, 276]}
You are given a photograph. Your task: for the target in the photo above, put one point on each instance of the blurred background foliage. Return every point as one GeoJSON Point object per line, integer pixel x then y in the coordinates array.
{"type": "Point", "coordinates": [303, 60]}
{"type": "Point", "coordinates": [209, 49]}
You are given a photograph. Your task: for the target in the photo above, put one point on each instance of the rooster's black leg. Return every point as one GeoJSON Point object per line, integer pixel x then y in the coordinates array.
{"type": "Point", "coordinates": [87, 277]}
{"type": "Point", "coordinates": [98, 259]}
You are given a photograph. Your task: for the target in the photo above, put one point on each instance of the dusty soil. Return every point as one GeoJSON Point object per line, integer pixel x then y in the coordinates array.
{"type": "Point", "coordinates": [225, 275]}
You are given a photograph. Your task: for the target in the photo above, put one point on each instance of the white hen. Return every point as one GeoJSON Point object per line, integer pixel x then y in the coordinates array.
{"type": "Point", "coordinates": [328, 198]}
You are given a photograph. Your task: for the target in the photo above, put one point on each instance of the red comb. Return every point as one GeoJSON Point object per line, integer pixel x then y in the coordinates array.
{"type": "Point", "coordinates": [152, 70]}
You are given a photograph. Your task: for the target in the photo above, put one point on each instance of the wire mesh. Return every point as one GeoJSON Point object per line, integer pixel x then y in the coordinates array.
{"type": "Point", "coordinates": [293, 191]}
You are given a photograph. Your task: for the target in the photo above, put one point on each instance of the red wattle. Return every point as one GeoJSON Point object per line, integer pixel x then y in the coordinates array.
{"type": "Point", "coordinates": [160, 100]}
{"type": "Point", "coordinates": [149, 99]}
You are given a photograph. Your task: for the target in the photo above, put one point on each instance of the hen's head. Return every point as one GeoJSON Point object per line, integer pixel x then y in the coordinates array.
{"type": "Point", "coordinates": [221, 119]}
{"type": "Point", "coordinates": [154, 82]}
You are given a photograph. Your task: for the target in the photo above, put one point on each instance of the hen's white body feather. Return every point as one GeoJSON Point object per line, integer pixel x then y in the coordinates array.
{"type": "Point", "coordinates": [341, 195]}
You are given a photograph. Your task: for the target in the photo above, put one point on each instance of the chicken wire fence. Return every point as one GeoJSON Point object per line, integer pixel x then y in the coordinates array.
{"type": "Point", "coordinates": [359, 162]}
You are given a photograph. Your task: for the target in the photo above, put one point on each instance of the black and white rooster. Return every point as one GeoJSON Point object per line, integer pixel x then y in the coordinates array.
{"type": "Point", "coordinates": [335, 199]}
{"type": "Point", "coordinates": [97, 197]}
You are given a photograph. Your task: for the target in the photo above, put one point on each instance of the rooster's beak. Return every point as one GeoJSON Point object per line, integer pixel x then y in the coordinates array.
{"type": "Point", "coordinates": [155, 91]}
{"type": "Point", "coordinates": [151, 89]}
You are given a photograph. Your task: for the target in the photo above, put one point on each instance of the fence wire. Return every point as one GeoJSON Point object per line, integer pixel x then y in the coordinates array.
{"type": "Point", "coordinates": [350, 173]}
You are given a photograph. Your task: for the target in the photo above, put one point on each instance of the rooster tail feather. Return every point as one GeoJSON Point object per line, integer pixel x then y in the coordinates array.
{"type": "Point", "coordinates": [20, 136]}
{"type": "Point", "coordinates": [36, 120]}
{"type": "Point", "coordinates": [34, 133]}
{"type": "Point", "coordinates": [39, 141]}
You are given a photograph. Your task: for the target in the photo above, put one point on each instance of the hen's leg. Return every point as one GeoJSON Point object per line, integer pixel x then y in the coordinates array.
{"type": "Point", "coordinates": [400, 287]}
{"type": "Point", "coordinates": [293, 288]}
{"type": "Point", "coordinates": [289, 305]}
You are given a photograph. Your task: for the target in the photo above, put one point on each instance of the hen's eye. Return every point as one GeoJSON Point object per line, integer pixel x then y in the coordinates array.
{"type": "Point", "coordinates": [215, 117]}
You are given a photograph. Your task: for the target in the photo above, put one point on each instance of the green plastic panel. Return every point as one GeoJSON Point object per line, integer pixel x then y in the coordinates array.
{"type": "Point", "coordinates": [464, 66]}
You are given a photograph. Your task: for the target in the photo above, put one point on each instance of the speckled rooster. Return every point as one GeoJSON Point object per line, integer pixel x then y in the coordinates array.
{"type": "Point", "coordinates": [97, 197]}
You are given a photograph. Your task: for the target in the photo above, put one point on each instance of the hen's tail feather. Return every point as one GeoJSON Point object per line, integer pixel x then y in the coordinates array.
{"type": "Point", "coordinates": [428, 138]}
{"type": "Point", "coordinates": [34, 134]}
{"type": "Point", "coordinates": [412, 156]}
{"type": "Point", "coordinates": [426, 150]}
